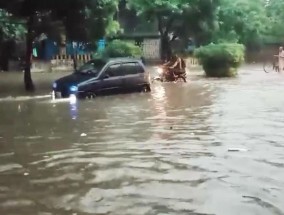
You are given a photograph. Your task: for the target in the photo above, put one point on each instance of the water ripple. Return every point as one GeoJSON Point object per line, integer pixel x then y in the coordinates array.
{"type": "Point", "coordinates": [167, 152]}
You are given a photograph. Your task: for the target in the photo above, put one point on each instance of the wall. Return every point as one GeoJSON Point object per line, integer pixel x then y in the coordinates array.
{"type": "Point", "coordinates": [262, 55]}
{"type": "Point", "coordinates": [150, 45]}
{"type": "Point", "coordinates": [151, 49]}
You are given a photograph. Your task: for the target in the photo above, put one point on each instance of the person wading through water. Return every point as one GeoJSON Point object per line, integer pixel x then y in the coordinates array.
{"type": "Point", "coordinates": [281, 59]}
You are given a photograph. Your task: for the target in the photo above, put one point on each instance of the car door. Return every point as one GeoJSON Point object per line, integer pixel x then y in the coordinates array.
{"type": "Point", "coordinates": [111, 79]}
{"type": "Point", "coordinates": [133, 75]}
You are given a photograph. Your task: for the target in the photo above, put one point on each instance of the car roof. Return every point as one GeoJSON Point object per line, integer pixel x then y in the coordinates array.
{"type": "Point", "coordinates": [116, 60]}
{"type": "Point", "coordinates": [123, 59]}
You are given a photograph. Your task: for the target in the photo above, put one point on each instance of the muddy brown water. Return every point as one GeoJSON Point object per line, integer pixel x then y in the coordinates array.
{"type": "Point", "coordinates": [206, 147]}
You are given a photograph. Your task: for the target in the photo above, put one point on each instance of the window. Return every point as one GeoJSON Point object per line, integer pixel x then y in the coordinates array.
{"type": "Point", "coordinates": [92, 67]}
{"type": "Point", "coordinates": [114, 70]}
{"type": "Point", "coordinates": [139, 68]}
{"type": "Point", "coordinates": [132, 68]}
{"type": "Point", "coordinates": [129, 68]}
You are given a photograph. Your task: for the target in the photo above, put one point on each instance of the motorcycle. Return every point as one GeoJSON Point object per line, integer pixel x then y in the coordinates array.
{"type": "Point", "coordinates": [165, 75]}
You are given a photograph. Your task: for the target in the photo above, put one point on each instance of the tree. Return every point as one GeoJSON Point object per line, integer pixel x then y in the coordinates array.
{"type": "Point", "coordinates": [75, 15]}
{"type": "Point", "coordinates": [177, 18]}
{"type": "Point", "coordinates": [10, 31]}
{"type": "Point", "coordinates": [10, 28]}
{"type": "Point", "coordinates": [32, 11]}
{"type": "Point", "coordinates": [241, 21]}
{"type": "Point", "coordinates": [221, 60]}
{"type": "Point", "coordinates": [93, 22]}
{"type": "Point", "coordinates": [274, 10]}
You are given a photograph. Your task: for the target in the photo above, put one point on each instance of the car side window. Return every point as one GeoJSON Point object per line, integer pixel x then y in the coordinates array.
{"type": "Point", "coordinates": [140, 69]}
{"type": "Point", "coordinates": [114, 70]}
{"type": "Point", "coordinates": [132, 68]}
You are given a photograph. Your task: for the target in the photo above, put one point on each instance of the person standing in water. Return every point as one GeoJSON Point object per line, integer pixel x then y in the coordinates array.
{"type": "Point", "coordinates": [281, 59]}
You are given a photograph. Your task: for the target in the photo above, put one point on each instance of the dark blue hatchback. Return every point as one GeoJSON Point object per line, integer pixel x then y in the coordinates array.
{"type": "Point", "coordinates": [101, 76]}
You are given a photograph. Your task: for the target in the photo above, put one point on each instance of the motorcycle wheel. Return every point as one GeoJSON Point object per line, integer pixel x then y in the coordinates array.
{"type": "Point", "coordinates": [181, 79]}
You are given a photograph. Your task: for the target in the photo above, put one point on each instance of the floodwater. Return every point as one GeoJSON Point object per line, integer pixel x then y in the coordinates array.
{"type": "Point", "coordinates": [206, 147]}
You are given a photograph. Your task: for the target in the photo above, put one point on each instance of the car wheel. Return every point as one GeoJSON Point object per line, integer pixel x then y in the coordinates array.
{"type": "Point", "coordinates": [146, 88]}
{"type": "Point", "coordinates": [87, 95]}
{"type": "Point", "coordinates": [91, 95]}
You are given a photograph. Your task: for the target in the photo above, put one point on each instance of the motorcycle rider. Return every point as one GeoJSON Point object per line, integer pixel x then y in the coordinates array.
{"type": "Point", "coordinates": [170, 61]}
{"type": "Point", "coordinates": [167, 66]}
{"type": "Point", "coordinates": [178, 67]}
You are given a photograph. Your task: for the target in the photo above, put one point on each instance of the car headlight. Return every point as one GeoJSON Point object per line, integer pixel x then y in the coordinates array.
{"type": "Point", "coordinates": [54, 85]}
{"type": "Point", "coordinates": [73, 89]}
{"type": "Point", "coordinates": [160, 70]}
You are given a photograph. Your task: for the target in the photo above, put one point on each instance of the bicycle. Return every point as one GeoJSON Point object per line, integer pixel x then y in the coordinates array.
{"type": "Point", "coordinates": [271, 66]}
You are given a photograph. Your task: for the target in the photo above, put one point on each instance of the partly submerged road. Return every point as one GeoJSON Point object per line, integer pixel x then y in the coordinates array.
{"type": "Point", "coordinates": [205, 147]}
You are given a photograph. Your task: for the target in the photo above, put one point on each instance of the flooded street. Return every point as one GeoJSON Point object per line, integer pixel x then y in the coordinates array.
{"type": "Point", "coordinates": [206, 147]}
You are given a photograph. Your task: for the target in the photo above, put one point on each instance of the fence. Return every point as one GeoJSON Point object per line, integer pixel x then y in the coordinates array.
{"type": "Point", "coordinates": [191, 61]}
{"type": "Point", "coordinates": [65, 62]}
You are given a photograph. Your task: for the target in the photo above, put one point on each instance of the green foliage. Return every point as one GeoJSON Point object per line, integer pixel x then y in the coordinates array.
{"type": "Point", "coordinates": [274, 10]}
{"type": "Point", "coordinates": [81, 20]}
{"type": "Point", "coordinates": [165, 12]}
{"type": "Point", "coordinates": [163, 7]}
{"type": "Point", "coordinates": [112, 28]}
{"type": "Point", "coordinates": [10, 28]}
{"type": "Point", "coordinates": [241, 21]}
{"type": "Point", "coordinates": [221, 60]}
{"type": "Point", "coordinates": [200, 21]}
{"type": "Point", "coordinates": [179, 18]}
{"type": "Point", "coordinates": [100, 19]}
{"type": "Point", "coordinates": [118, 48]}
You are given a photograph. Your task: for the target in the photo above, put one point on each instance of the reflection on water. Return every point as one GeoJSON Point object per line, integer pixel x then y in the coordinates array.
{"type": "Point", "coordinates": [73, 110]}
{"type": "Point", "coordinates": [73, 107]}
{"type": "Point", "coordinates": [166, 152]}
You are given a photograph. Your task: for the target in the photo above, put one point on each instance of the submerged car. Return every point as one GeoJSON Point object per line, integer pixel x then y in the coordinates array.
{"type": "Point", "coordinates": [104, 76]}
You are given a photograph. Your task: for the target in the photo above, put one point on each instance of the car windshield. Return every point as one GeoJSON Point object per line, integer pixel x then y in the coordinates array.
{"type": "Point", "coordinates": [92, 67]}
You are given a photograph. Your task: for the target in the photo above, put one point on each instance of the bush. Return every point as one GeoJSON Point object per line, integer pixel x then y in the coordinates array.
{"type": "Point", "coordinates": [221, 60]}
{"type": "Point", "coordinates": [118, 48]}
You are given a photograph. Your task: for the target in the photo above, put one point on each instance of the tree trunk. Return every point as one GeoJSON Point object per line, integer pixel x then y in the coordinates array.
{"type": "Point", "coordinates": [166, 47]}
{"type": "Point", "coordinates": [29, 85]}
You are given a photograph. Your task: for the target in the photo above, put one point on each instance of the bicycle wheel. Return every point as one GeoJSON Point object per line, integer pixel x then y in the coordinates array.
{"type": "Point", "coordinates": [268, 67]}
